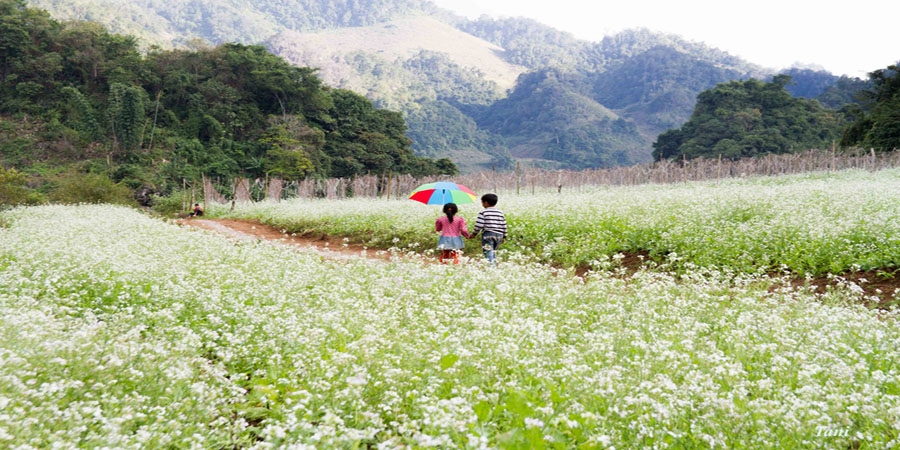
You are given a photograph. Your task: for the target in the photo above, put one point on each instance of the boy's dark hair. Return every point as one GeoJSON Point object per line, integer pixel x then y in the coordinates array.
{"type": "Point", "coordinates": [490, 199]}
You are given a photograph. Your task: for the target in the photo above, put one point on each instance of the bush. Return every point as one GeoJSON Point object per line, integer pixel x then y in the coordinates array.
{"type": "Point", "coordinates": [74, 187]}
{"type": "Point", "coordinates": [171, 205]}
{"type": "Point", "coordinates": [13, 189]}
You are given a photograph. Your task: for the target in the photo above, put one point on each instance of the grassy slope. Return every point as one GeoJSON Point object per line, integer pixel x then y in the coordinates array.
{"type": "Point", "coordinates": [399, 39]}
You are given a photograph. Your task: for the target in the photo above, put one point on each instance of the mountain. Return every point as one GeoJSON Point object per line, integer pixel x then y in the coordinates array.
{"type": "Point", "coordinates": [178, 24]}
{"type": "Point", "coordinates": [830, 90]}
{"type": "Point", "coordinates": [397, 40]}
{"type": "Point", "coordinates": [481, 92]}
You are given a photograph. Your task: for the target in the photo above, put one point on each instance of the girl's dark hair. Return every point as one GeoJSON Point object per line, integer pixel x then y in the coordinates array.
{"type": "Point", "coordinates": [450, 209]}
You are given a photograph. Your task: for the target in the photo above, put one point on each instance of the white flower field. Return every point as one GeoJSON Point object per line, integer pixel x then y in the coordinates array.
{"type": "Point", "coordinates": [814, 223]}
{"type": "Point", "coordinates": [120, 330]}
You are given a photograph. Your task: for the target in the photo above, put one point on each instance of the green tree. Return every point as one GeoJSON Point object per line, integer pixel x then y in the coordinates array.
{"type": "Point", "coordinates": [83, 116]}
{"type": "Point", "coordinates": [446, 167]}
{"type": "Point", "coordinates": [292, 145]}
{"type": "Point", "coordinates": [29, 58]}
{"type": "Point", "coordinates": [127, 116]}
{"type": "Point", "coordinates": [749, 118]}
{"type": "Point", "coordinates": [877, 123]}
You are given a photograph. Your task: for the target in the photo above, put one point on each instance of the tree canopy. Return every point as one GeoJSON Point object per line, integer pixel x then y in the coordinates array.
{"type": "Point", "coordinates": [750, 118]}
{"type": "Point", "coordinates": [153, 119]}
{"type": "Point", "coordinates": [877, 120]}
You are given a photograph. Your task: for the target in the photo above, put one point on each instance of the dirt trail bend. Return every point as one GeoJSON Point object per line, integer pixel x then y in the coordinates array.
{"type": "Point", "coordinates": [248, 230]}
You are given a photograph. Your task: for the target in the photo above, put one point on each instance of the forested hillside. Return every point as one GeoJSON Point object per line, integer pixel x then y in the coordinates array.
{"type": "Point", "coordinates": [749, 118]}
{"type": "Point", "coordinates": [741, 119]}
{"type": "Point", "coordinates": [876, 121]}
{"type": "Point", "coordinates": [467, 88]}
{"type": "Point", "coordinates": [78, 98]}
{"type": "Point", "coordinates": [175, 24]}
{"type": "Point", "coordinates": [610, 101]}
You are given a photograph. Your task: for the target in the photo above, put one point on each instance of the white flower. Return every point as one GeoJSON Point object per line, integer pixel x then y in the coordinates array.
{"type": "Point", "coordinates": [359, 380]}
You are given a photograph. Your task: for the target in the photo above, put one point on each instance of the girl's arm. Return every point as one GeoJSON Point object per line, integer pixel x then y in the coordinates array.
{"type": "Point", "coordinates": [463, 228]}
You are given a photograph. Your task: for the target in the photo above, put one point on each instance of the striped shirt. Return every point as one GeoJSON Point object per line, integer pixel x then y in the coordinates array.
{"type": "Point", "coordinates": [490, 219]}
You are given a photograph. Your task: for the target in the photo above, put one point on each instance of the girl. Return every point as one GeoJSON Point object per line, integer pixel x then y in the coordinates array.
{"type": "Point", "coordinates": [451, 228]}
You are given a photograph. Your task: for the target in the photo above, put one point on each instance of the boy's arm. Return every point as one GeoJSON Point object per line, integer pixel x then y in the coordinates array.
{"type": "Point", "coordinates": [479, 224]}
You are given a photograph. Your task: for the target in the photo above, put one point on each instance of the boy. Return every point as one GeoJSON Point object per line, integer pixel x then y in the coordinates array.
{"type": "Point", "coordinates": [492, 224]}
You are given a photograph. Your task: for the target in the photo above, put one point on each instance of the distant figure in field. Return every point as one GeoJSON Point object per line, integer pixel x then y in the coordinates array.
{"type": "Point", "coordinates": [491, 223]}
{"type": "Point", "coordinates": [452, 228]}
{"type": "Point", "coordinates": [197, 211]}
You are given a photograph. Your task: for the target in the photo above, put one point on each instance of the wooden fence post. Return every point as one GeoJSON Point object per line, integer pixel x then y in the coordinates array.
{"type": "Point", "coordinates": [719, 169]}
{"type": "Point", "coordinates": [390, 179]}
{"type": "Point", "coordinates": [517, 178]}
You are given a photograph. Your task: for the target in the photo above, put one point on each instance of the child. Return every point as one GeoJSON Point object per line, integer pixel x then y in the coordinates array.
{"type": "Point", "coordinates": [450, 227]}
{"type": "Point", "coordinates": [492, 224]}
{"type": "Point", "coordinates": [198, 211]}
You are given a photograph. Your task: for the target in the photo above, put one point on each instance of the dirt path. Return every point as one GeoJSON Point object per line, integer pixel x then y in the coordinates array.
{"type": "Point", "coordinates": [247, 230]}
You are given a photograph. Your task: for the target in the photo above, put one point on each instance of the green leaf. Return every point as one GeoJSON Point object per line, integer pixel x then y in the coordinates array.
{"type": "Point", "coordinates": [483, 410]}
{"type": "Point", "coordinates": [448, 360]}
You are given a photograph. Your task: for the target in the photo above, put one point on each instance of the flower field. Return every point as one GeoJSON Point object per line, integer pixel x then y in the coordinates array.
{"type": "Point", "coordinates": [815, 223]}
{"type": "Point", "coordinates": [124, 331]}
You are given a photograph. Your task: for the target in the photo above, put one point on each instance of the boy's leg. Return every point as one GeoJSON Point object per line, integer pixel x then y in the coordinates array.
{"type": "Point", "coordinates": [486, 247]}
{"type": "Point", "coordinates": [490, 242]}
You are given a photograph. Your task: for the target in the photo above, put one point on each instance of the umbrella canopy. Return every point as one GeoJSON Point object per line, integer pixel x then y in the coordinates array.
{"type": "Point", "coordinates": [443, 192]}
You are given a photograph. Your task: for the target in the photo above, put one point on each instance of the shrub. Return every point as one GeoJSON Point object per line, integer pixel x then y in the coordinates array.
{"type": "Point", "coordinates": [13, 189]}
{"type": "Point", "coordinates": [170, 205]}
{"type": "Point", "coordinates": [74, 187]}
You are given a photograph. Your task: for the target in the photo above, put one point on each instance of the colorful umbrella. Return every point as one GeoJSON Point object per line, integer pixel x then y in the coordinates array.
{"type": "Point", "coordinates": [443, 192]}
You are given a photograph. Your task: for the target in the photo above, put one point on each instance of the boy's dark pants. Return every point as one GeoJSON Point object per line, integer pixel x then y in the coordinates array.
{"type": "Point", "coordinates": [490, 241]}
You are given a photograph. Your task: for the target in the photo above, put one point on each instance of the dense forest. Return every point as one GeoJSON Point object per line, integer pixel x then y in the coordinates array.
{"type": "Point", "coordinates": [741, 119]}
{"type": "Point", "coordinates": [750, 118]}
{"type": "Point", "coordinates": [480, 93]}
{"type": "Point", "coordinates": [876, 119]}
{"type": "Point", "coordinates": [78, 98]}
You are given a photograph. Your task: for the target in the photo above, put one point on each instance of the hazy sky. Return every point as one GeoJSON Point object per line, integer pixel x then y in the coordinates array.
{"type": "Point", "coordinates": [846, 38]}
